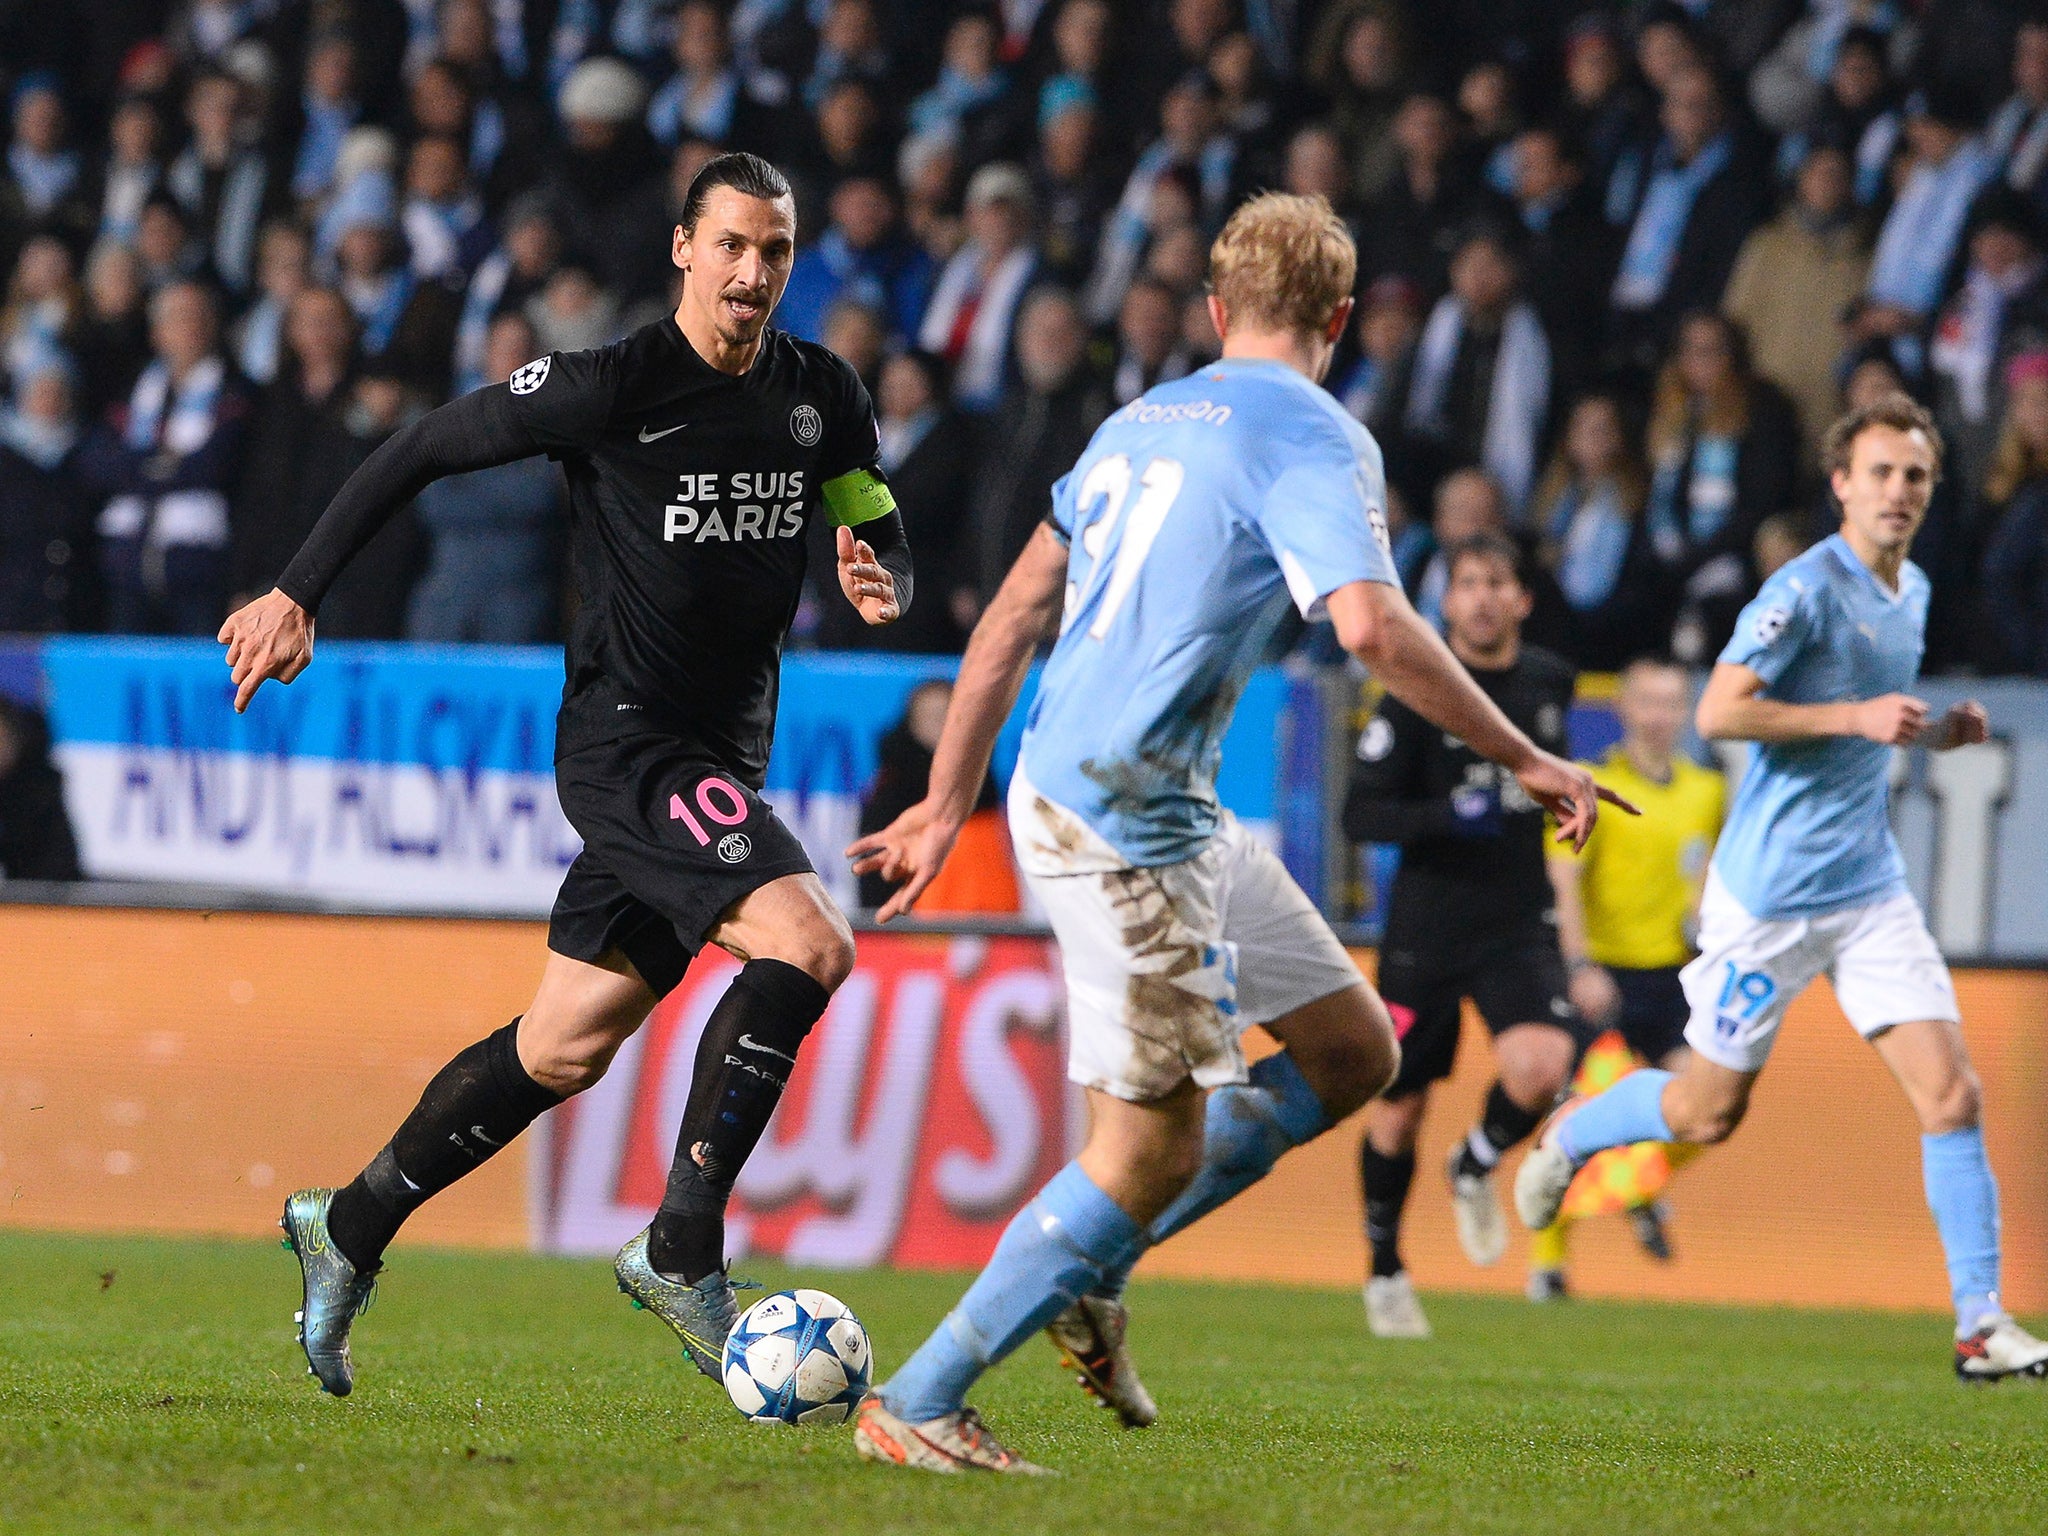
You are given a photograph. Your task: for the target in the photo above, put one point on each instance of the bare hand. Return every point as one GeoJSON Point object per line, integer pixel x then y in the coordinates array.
{"type": "Point", "coordinates": [1965, 725]}
{"type": "Point", "coordinates": [865, 581]}
{"type": "Point", "coordinates": [271, 637]}
{"type": "Point", "coordinates": [1568, 792]}
{"type": "Point", "coordinates": [1895, 720]}
{"type": "Point", "coordinates": [909, 853]}
{"type": "Point", "coordinates": [1594, 994]}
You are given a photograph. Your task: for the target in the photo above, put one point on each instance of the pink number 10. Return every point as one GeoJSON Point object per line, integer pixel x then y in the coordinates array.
{"type": "Point", "coordinates": [709, 792]}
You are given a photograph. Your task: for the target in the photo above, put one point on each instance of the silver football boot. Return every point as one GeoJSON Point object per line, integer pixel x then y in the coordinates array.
{"type": "Point", "coordinates": [700, 1315]}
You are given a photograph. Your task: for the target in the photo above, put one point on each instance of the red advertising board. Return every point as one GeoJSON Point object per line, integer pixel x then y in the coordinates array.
{"type": "Point", "coordinates": [927, 1106]}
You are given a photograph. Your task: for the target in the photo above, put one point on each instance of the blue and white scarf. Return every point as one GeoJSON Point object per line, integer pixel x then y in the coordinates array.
{"type": "Point", "coordinates": [1921, 233]}
{"type": "Point", "coordinates": [236, 219]}
{"type": "Point", "coordinates": [676, 111]}
{"type": "Point", "coordinates": [1652, 253]}
{"type": "Point", "coordinates": [44, 179]}
{"type": "Point", "coordinates": [379, 306]}
{"type": "Point", "coordinates": [1517, 405]}
{"type": "Point", "coordinates": [1705, 481]}
{"type": "Point", "coordinates": [1591, 532]}
{"type": "Point", "coordinates": [486, 287]}
{"type": "Point", "coordinates": [953, 97]}
{"type": "Point", "coordinates": [327, 124]}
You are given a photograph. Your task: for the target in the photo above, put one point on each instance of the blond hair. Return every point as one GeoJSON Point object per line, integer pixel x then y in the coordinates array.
{"type": "Point", "coordinates": [1284, 262]}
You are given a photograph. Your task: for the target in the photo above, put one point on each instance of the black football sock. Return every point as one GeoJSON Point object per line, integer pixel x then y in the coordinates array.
{"type": "Point", "coordinates": [744, 1059]}
{"type": "Point", "coordinates": [1502, 1124]}
{"type": "Point", "coordinates": [473, 1106]}
{"type": "Point", "coordinates": [1386, 1179]}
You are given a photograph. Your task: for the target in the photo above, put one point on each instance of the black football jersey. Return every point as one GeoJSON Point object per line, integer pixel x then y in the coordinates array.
{"type": "Point", "coordinates": [1403, 778]}
{"type": "Point", "coordinates": [690, 491]}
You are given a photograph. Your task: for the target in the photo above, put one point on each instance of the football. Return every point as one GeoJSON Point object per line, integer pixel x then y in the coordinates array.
{"type": "Point", "coordinates": [797, 1357]}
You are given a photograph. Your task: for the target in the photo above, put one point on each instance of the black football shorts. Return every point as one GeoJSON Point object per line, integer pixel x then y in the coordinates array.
{"type": "Point", "coordinates": [670, 841]}
{"type": "Point", "coordinates": [1515, 976]}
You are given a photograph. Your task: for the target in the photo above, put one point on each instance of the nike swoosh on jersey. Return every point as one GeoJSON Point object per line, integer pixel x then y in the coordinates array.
{"type": "Point", "coordinates": [766, 1050]}
{"type": "Point", "coordinates": [648, 437]}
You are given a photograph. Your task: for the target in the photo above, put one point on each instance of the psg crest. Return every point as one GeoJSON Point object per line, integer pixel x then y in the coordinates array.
{"type": "Point", "coordinates": [805, 424]}
{"type": "Point", "coordinates": [528, 377]}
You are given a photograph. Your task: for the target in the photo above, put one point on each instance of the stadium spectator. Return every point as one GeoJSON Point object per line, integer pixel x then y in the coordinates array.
{"type": "Point", "coordinates": [492, 571]}
{"type": "Point", "coordinates": [133, 168]}
{"type": "Point", "coordinates": [1430, 197]}
{"type": "Point", "coordinates": [44, 305]}
{"type": "Point", "coordinates": [572, 312]}
{"type": "Point", "coordinates": [1700, 198]}
{"type": "Point", "coordinates": [1493, 116]}
{"type": "Point", "coordinates": [42, 183]}
{"type": "Point", "coordinates": [860, 334]}
{"type": "Point", "coordinates": [1479, 392]}
{"type": "Point", "coordinates": [1044, 423]}
{"type": "Point", "coordinates": [111, 344]}
{"type": "Point", "coordinates": [1150, 347]}
{"type": "Point", "coordinates": [1860, 115]}
{"type": "Point", "coordinates": [706, 97]}
{"type": "Point", "coordinates": [275, 504]}
{"type": "Point", "coordinates": [284, 270]}
{"type": "Point", "coordinates": [2017, 134]}
{"type": "Point", "coordinates": [1794, 280]}
{"type": "Point", "coordinates": [974, 305]}
{"type": "Point", "coordinates": [167, 470]}
{"type": "Point", "coordinates": [329, 108]}
{"type": "Point", "coordinates": [1801, 82]}
{"type": "Point", "coordinates": [928, 455]}
{"type": "Point", "coordinates": [1468, 504]}
{"type": "Point", "coordinates": [1948, 166]}
{"type": "Point", "coordinates": [528, 253]}
{"type": "Point", "coordinates": [604, 181]}
{"type": "Point", "coordinates": [1374, 386]}
{"type": "Point", "coordinates": [1606, 113]}
{"type": "Point", "coordinates": [1999, 309]}
{"type": "Point", "coordinates": [1073, 189]}
{"type": "Point", "coordinates": [2016, 554]}
{"type": "Point", "coordinates": [46, 582]}
{"type": "Point", "coordinates": [36, 841]}
{"type": "Point", "coordinates": [1587, 518]}
{"type": "Point", "coordinates": [219, 180]}
{"type": "Point", "coordinates": [1359, 59]}
{"type": "Point", "coordinates": [982, 878]}
{"type": "Point", "coordinates": [407, 325]}
{"type": "Point", "coordinates": [443, 216]}
{"type": "Point", "coordinates": [967, 100]}
{"type": "Point", "coordinates": [863, 256]}
{"type": "Point", "coordinates": [163, 241]}
{"type": "Point", "coordinates": [1568, 249]}
{"type": "Point", "coordinates": [1723, 450]}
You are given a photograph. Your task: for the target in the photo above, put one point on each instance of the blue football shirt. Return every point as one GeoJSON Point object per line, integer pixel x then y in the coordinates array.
{"type": "Point", "coordinates": [1195, 515]}
{"type": "Point", "coordinates": [1810, 829]}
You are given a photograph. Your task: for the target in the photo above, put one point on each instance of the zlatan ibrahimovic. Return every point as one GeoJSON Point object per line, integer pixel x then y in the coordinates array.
{"type": "Point", "coordinates": [696, 450]}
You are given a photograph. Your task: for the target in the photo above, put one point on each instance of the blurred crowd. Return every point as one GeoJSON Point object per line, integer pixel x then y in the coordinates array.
{"type": "Point", "coordinates": [1620, 265]}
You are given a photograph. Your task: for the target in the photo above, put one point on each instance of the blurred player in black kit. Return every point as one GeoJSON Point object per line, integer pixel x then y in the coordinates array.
{"type": "Point", "coordinates": [1472, 915]}
{"type": "Point", "coordinates": [696, 449]}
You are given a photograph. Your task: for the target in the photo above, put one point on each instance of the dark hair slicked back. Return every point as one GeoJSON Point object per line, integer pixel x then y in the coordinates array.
{"type": "Point", "coordinates": [747, 174]}
{"type": "Point", "coordinates": [1900, 412]}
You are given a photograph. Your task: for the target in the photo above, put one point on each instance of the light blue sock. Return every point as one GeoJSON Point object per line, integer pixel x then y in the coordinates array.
{"type": "Point", "coordinates": [1246, 1128]}
{"type": "Point", "coordinates": [1964, 1198]}
{"type": "Point", "coordinates": [1631, 1111]}
{"type": "Point", "coordinates": [1052, 1252]}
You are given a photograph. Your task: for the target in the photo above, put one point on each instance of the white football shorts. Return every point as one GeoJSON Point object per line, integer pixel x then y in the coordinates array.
{"type": "Point", "coordinates": [1882, 960]}
{"type": "Point", "coordinates": [1167, 965]}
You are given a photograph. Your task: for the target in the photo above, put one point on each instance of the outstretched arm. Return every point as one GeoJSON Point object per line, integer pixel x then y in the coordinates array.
{"type": "Point", "coordinates": [272, 637]}
{"type": "Point", "coordinates": [913, 847]}
{"type": "Point", "coordinates": [1378, 625]}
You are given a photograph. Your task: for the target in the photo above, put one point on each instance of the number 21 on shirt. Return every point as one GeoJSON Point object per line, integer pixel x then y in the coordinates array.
{"type": "Point", "coordinates": [1109, 483]}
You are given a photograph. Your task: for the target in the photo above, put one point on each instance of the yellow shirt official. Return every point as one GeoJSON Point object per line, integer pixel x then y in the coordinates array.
{"type": "Point", "coordinates": [1641, 875]}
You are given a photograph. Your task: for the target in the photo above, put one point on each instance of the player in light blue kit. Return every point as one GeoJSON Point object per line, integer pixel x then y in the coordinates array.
{"type": "Point", "coordinates": [1807, 878]}
{"type": "Point", "coordinates": [1198, 513]}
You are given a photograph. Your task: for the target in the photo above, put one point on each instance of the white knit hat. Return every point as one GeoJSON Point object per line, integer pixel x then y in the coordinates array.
{"type": "Point", "coordinates": [602, 91]}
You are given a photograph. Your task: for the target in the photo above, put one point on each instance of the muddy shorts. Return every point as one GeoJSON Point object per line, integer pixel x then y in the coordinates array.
{"type": "Point", "coordinates": [1165, 966]}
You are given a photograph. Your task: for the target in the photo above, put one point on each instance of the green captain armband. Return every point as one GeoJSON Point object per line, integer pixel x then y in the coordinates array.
{"type": "Point", "coordinates": [856, 497]}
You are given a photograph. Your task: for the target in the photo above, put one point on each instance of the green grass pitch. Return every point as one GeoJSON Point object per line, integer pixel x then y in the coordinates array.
{"type": "Point", "coordinates": [154, 1385]}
